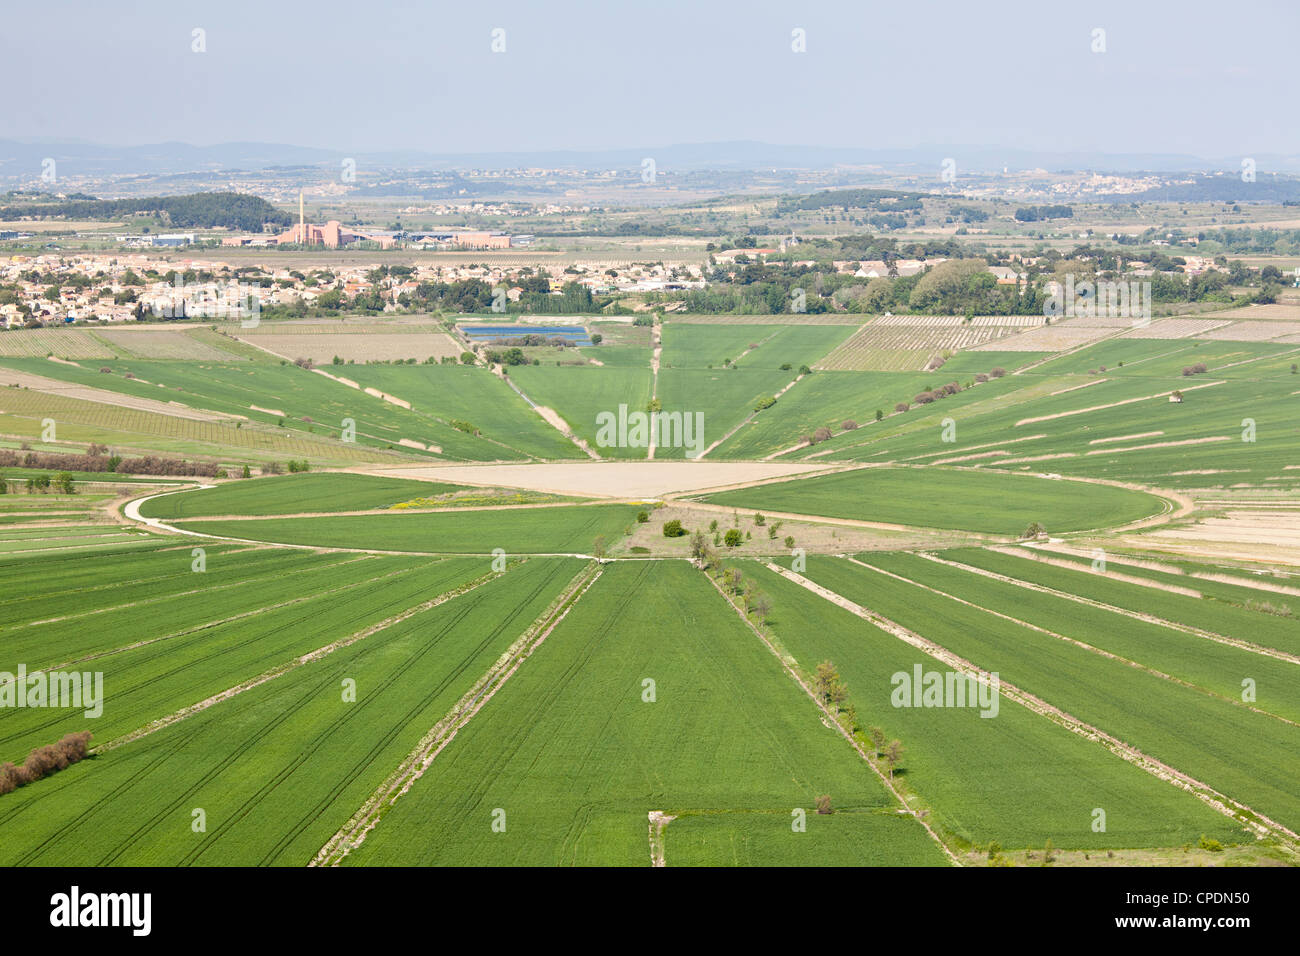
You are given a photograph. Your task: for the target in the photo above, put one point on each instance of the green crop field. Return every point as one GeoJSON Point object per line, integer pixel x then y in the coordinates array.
{"type": "Point", "coordinates": [579, 394]}
{"type": "Point", "coordinates": [278, 768]}
{"type": "Point", "coordinates": [575, 756]}
{"type": "Point", "coordinates": [295, 494]}
{"type": "Point", "coordinates": [544, 530]}
{"type": "Point", "coordinates": [968, 768]}
{"type": "Point", "coordinates": [508, 667]}
{"type": "Point", "coordinates": [1250, 756]}
{"type": "Point", "coordinates": [939, 498]}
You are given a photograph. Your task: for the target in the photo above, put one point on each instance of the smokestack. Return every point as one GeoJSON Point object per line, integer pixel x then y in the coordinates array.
{"type": "Point", "coordinates": [302, 223]}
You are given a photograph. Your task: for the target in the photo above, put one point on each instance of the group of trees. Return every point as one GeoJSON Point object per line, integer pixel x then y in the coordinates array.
{"type": "Point", "coordinates": [831, 690]}
{"type": "Point", "coordinates": [196, 210]}
{"type": "Point", "coordinates": [44, 761]}
{"type": "Point", "coordinates": [97, 460]}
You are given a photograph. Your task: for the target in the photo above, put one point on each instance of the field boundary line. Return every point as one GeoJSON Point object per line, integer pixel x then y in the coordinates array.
{"type": "Point", "coordinates": [1194, 631]}
{"type": "Point", "coordinates": [1220, 802]}
{"type": "Point", "coordinates": [750, 417]}
{"type": "Point", "coordinates": [830, 718]}
{"type": "Point", "coordinates": [1152, 583]}
{"type": "Point", "coordinates": [221, 622]}
{"type": "Point", "coordinates": [179, 594]}
{"type": "Point", "coordinates": [353, 833]}
{"type": "Point", "coordinates": [1082, 645]}
{"type": "Point", "coordinates": [281, 669]}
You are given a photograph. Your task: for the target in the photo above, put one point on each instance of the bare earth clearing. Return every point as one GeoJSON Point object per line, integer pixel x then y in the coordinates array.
{"type": "Point", "coordinates": [608, 479]}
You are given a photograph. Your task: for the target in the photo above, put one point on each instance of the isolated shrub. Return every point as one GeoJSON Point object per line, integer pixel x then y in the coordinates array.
{"type": "Point", "coordinates": [902, 407]}
{"type": "Point", "coordinates": [998, 372]}
{"type": "Point", "coordinates": [1034, 530]}
{"type": "Point", "coordinates": [129, 375]}
{"type": "Point", "coordinates": [807, 439]}
{"type": "Point", "coordinates": [1101, 368]}
{"type": "Point", "coordinates": [822, 434]}
{"type": "Point", "coordinates": [272, 468]}
{"type": "Point", "coordinates": [981, 377]}
{"type": "Point", "coordinates": [1206, 843]}
{"type": "Point", "coordinates": [673, 529]}
{"type": "Point", "coordinates": [804, 370]}
{"type": "Point", "coordinates": [789, 541]}
{"type": "Point", "coordinates": [246, 473]}
{"type": "Point", "coordinates": [732, 538]}
{"type": "Point", "coordinates": [824, 804]}
{"type": "Point", "coordinates": [849, 424]}
{"type": "Point", "coordinates": [713, 525]}
{"type": "Point", "coordinates": [786, 366]}
{"type": "Point", "coordinates": [643, 516]}
{"type": "Point", "coordinates": [767, 401]}
{"type": "Point", "coordinates": [106, 369]}
{"type": "Point", "coordinates": [924, 398]}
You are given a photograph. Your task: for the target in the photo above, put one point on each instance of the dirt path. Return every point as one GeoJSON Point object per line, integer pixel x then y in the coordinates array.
{"type": "Point", "coordinates": [549, 415]}
{"type": "Point", "coordinates": [281, 669]}
{"type": "Point", "coordinates": [103, 396]}
{"type": "Point", "coordinates": [353, 833]}
{"type": "Point", "coordinates": [1030, 553]}
{"type": "Point", "coordinates": [749, 418]}
{"type": "Point", "coordinates": [658, 821]}
{"type": "Point", "coordinates": [1082, 645]}
{"type": "Point", "coordinates": [656, 353]}
{"type": "Point", "coordinates": [1238, 643]}
{"type": "Point", "coordinates": [1126, 401]}
{"type": "Point", "coordinates": [1225, 805]}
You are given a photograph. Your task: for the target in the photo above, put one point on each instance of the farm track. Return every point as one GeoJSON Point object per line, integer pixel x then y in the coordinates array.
{"type": "Point", "coordinates": [145, 602]}
{"type": "Point", "coordinates": [283, 715]}
{"type": "Point", "coordinates": [412, 768]}
{"type": "Point", "coordinates": [190, 662]}
{"type": "Point", "coordinates": [1220, 802]}
{"type": "Point", "coordinates": [1074, 642]}
{"type": "Point", "coordinates": [219, 622]}
{"type": "Point", "coordinates": [282, 669]}
{"type": "Point", "coordinates": [1136, 615]}
{"type": "Point", "coordinates": [461, 610]}
{"type": "Point", "coordinates": [827, 716]}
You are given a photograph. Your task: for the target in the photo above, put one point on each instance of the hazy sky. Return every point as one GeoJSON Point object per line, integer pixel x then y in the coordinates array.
{"type": "Point", "coordinates": [1211, 79]}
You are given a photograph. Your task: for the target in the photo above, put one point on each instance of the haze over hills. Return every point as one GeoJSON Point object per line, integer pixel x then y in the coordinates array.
{"type": "Point", "coordinates": [21, 159]}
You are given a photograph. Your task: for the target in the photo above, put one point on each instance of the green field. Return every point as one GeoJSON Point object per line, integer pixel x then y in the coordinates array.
{"type": "Point", "coordinates": [576, 759]}
{"type": "Point", "coordinates": [548, 530]}
{"type": "Point", "coordinates": [279, 767]}
{"type": "Point", "coordinates": [1252, 757]}
{"type": "Point", "coordinates": [970, 769]}
{"type": "Point", "coordinates": [948, 498]}
{"type": "Point", "coordinates": [294, 494]}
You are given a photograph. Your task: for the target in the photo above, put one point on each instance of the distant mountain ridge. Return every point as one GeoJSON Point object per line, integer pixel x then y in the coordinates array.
{"type": "Point", "coordinates": [19, 158]}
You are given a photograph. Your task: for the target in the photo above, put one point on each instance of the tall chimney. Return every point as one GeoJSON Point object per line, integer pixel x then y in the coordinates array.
{"type": "Point", "coordinates": [302, 222]}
